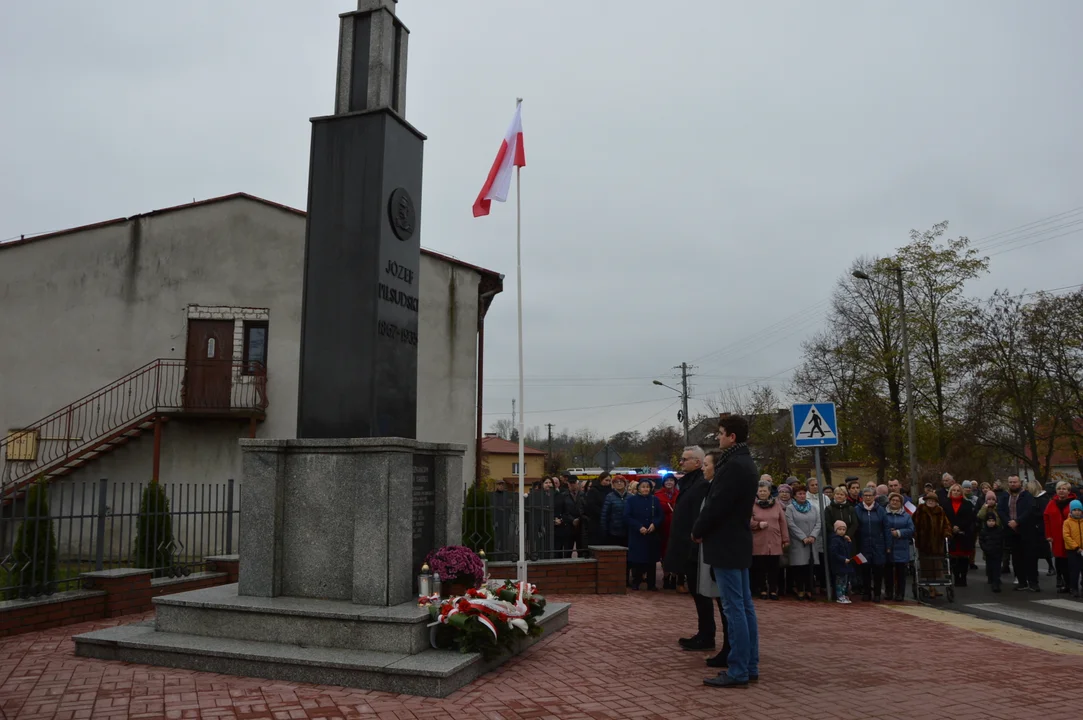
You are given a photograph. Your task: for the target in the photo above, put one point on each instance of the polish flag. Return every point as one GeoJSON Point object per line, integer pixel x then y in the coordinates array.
{"type": "Point", "coordinates": [510, 156]}
{"type": "Point", "coordinates": [860, 559]}
{"type": "Point", "coordinates": [910, 507]}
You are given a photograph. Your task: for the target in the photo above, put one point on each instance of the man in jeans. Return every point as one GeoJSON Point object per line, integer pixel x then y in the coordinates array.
{"type": "Point", "coordinates": [723, 528]}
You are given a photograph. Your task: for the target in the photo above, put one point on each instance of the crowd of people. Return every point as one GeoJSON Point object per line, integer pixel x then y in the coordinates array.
{"type": "Point", "coordinates": [724, 534]}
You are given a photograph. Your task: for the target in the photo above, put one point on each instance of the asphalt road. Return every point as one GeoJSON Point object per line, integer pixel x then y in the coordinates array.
{"type": "Point", "coordinates": [1047, 612]}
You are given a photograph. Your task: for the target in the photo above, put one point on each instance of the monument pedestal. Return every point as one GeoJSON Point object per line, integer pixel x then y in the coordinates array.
{"type": "Point", "coordinates": [333, 534]}
{"type": "Point", "coordinates": [346, 519]}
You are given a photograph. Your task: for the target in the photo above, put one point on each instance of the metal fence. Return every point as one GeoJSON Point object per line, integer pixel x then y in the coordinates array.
{"type": "Point", "coordinates": [491, 523]}
{"type": "Point", "coordinates": [58, 530]}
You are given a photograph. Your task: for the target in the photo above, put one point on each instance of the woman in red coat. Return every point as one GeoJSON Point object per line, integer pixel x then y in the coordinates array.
{"type": "Point", "coordinates": [1056, 512]}
{"type": "Point", "coordinates": [667, 496]}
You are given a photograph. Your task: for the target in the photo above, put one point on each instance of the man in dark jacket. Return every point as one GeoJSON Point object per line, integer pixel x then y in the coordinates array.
{"type": "Point", "coordinates": [723, 528]}
{"type": "Point", "coordinates": [1018, 512]}
{"type": "Point", "coordinates": [682, 555]}
{"type": "Point", "coordinates": [592, 509]}
{"type": "Point", "coordinates": [569, 510]}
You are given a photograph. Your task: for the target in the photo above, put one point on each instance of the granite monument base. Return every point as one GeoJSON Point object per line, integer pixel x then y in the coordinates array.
{"type": "Point", "coordinates": [332, 536]}
{"type": "Point", "coordinates": [328, 642]}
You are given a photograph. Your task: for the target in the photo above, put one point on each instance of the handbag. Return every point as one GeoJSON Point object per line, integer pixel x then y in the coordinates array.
{"type": "Point", "coordinates": [705, 583]}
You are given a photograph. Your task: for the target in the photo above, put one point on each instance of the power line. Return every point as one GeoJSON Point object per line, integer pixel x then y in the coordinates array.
{"type": "Point", "coordinates": [797, 321]}
{"type": "Point", "coordinates": [1027, 226]}
{"type": "Point", "coordinates": [644, 402]}
{"type": "Point", "coordinates": [1052, 290]}
{"type": "Point", "coordinates": [587, 407]}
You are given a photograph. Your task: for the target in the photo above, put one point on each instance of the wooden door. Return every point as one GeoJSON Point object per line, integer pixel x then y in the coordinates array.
{"type": "Point", "coordinates": [209, 365]}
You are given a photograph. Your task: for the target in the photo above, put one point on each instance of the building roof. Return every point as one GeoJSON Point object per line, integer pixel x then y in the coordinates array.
{"type": "Point", "coordinates": [1063, 452]}
{"type": "Point", "coordinates": [491, 278]}
{"type": "Point", "coordinates": [500, 446]}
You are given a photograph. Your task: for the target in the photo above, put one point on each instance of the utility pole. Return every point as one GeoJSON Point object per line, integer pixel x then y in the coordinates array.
{"type": "Point", "coordinates": [683, 392]}
{"type": "Point", "coordinates": [684, 399]}
{"type": "Point", "coordinates": [911, 434]}
{"type": "Point", "coordinates": [549, 426]}
{"type": "Point", "coordinates": [513, 416]}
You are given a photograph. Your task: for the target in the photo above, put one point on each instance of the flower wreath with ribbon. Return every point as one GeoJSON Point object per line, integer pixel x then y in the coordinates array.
{"type": "Point", "coordinates": [486, 619]}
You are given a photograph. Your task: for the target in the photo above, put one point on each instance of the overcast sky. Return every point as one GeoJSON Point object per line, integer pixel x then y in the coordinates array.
{"type": "Point", "coordinates": [699, 173]}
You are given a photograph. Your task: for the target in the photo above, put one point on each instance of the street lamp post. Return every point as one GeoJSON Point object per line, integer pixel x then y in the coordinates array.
{"type": "Point", "coordinates": [910, 431]}
{"type": "Point", "coordinates": [684, 405]}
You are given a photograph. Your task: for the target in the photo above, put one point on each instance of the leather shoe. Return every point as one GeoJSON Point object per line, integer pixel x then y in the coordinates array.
{"type": "Point", "coordinates": [753, 678]}
{"type": "Point", "coordinates": [697, 644]}
{"type": "Point", "coordinates": [719, 660]}
{"type": "Point", "coordinates": [724, 681]}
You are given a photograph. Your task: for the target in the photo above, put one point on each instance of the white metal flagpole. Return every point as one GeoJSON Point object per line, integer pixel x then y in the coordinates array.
{"type": "Point", "coordinates": [519, 287]}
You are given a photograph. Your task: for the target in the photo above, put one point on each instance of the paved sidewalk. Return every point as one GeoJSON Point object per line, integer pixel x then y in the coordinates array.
{"type": "Point", "coordinates": [617, 659]}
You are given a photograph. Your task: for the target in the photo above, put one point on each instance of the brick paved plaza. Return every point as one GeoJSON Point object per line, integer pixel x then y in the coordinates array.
{"type": "Point", "coordinates": [617, 659]}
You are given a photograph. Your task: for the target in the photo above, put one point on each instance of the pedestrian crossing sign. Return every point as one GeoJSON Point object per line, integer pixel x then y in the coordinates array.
{"type": "Point", "coordinates": [814, 424]}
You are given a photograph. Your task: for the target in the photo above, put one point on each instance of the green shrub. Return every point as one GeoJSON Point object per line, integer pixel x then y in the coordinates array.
{"type": "Point", "coordinates": [154, 532]}
{"type": "Point", "coordinates": [35, 548]}
{"type": "Point", "coordinates": [478, 520]}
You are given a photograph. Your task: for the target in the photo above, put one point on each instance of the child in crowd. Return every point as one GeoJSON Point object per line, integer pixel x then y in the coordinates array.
{"type": "Point", "coordinates": [841, 563]}
{"type": "Point", "coordinates": [991, 539]}
{"type": "Point", "coordinates": [1073, 545]}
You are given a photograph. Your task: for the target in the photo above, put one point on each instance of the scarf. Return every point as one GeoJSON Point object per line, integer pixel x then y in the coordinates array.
{"type": "Point", "coordinates": [956, 503]}
{"type": "Point", "coordinates": [1065, 502]}
{"type": "Point", "coordinates": [801, 507]}
{"type": "Point", "coordinates": [900, 511]}
{"type": "Point", "coordinates": [727, 452]}
{"type": "Point", "coordinates": [765, 503]}
{"type": "Point", "coordinates": [869, 508]}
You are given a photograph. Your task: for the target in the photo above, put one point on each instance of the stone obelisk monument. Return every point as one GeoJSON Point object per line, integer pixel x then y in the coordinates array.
{"type": "Point", "coordinates": [359, 326]}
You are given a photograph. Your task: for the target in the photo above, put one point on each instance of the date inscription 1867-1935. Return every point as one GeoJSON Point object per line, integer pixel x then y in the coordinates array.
{"type": "Point", "coordinates": [400, 210]}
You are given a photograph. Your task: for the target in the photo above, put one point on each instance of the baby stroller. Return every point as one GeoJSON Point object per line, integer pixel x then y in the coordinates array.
{"type": "Point", "coordinates": [930, 572]}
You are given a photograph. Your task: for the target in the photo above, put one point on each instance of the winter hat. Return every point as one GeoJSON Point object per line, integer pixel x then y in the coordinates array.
{"type": "Point", "coordinates": [990, 495]}
{"type": "Point", "coordinates": [840, 522]}
{"type": "Point", "coordinates": [967, 483]}
{"type": "Point", "coordinates": [1075, 505]}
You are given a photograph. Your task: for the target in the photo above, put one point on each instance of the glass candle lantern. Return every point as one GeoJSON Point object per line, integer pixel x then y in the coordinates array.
{"type": "Point", "coordinates": [484, 566]}
{"type": "Point", "coordinates": [436, 583]}
{"type": "Point", "coordinates": [424, 582]}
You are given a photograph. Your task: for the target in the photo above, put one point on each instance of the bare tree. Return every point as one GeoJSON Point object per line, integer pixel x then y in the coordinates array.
{"type": "Point", "coordinates": [1011, 403]}
{"type": "Point", "coordinates": [504, 428]}
{"type": "Point", "coordinates": [935, 273]}
{"type": "Point", "coordinates": [866, 314]}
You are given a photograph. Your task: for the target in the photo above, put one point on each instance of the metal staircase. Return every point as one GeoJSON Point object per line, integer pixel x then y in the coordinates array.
{"type": "Point", "coordinates": [120, 412]}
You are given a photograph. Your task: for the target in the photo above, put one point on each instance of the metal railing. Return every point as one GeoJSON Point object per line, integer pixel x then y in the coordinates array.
{"type": "Point", "coordinates": [167, 528]}
{"type": "Point", "coordinates": [104, 418]}
{"type": "Point", "coordinates": [491, 523]}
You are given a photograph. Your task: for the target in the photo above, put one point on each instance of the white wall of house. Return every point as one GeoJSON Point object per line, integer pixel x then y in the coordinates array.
{"type": "Point", "coordinates": [85, 308]}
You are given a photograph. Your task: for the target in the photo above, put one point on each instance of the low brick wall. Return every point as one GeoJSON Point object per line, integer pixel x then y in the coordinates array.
{"type": "Point", "coordinates": [107, 594]}
{"type": "Point", "coordinates": [19, 616]}
{"type": "Point", "coordinates": [605, 573]}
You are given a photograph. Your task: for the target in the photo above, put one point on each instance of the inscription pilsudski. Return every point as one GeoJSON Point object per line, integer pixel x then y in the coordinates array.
{"type": "Point", "coordinates": [398, 297]}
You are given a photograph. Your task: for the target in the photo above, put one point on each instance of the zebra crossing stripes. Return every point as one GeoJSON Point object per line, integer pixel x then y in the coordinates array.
{"type": "Point", "coordinates": [1073, 605]}
{"type": "Point", "coordinates": [1040, 615]}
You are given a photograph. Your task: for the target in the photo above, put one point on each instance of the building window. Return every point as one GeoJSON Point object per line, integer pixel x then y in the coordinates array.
{"type": "Point", "coordinates": [515, 468]}
{"type": "Point", "coordinates": [255, 348]}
